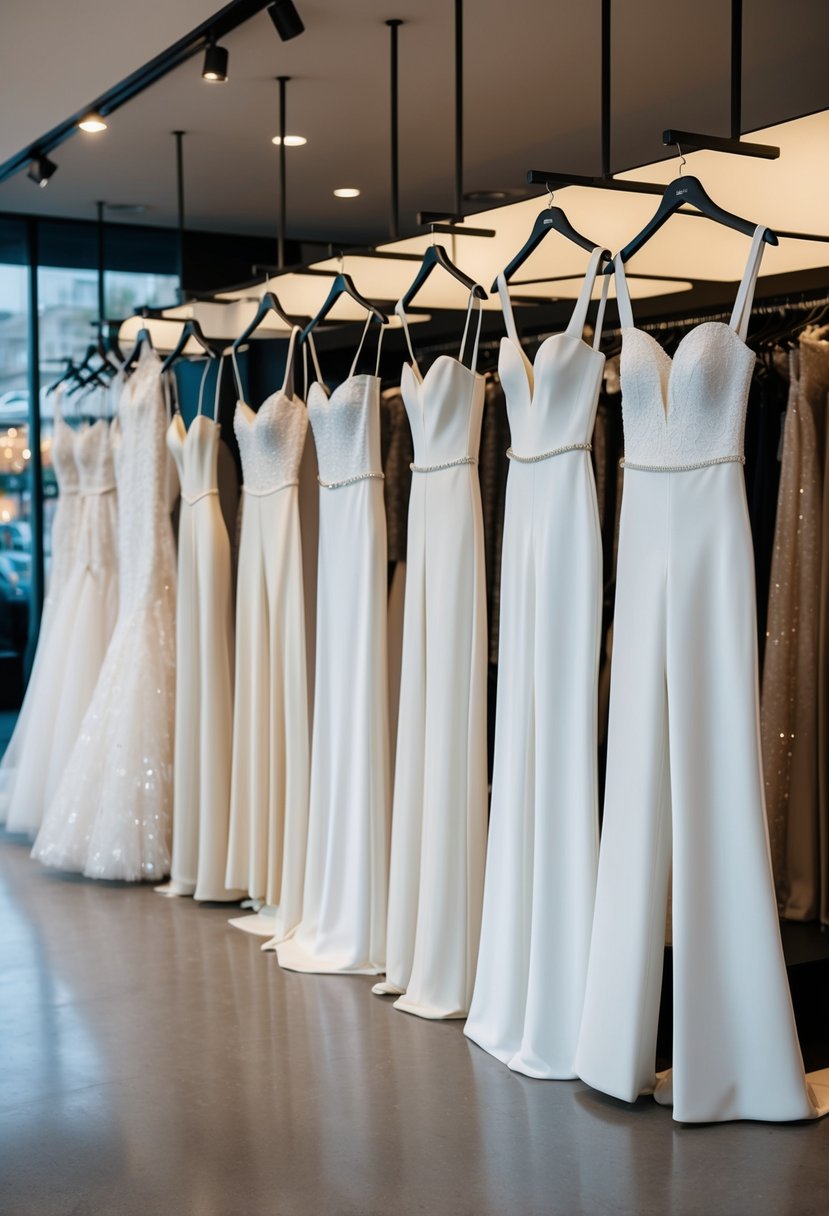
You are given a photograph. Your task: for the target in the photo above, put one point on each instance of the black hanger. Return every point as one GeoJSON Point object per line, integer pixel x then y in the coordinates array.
{"type": "Point", "coordinates": [67, 374]}
{"type": "Point", "coordinates": [269, 303]}
{"type": "Point", "coordinates": [343, 285]}
{"type": "Point", "coordinates": [190, 329]}
{"type": "Point", "coordinates": [434, 256]}
{"type": "Point", "coordinates": [687, 190]}
{"type": "Point", "coordinates": [142, 338]}
{"type": "Point", "coordinates": [551, 219]}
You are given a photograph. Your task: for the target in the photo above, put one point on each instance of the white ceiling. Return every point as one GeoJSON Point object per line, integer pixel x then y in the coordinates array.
{"type": "Point", "coordinates": [532, 100]}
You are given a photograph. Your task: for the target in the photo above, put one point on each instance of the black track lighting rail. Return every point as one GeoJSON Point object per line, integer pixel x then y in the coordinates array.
{"type": "Point", "coordinates": [227, 19]}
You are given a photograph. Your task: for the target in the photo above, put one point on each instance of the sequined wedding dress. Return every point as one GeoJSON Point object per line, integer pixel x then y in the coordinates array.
{"type": "Point", "coordinates": [112, 810]}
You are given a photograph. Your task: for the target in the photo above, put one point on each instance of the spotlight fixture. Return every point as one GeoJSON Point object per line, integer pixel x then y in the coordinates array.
{"type": "Point", "coordinates": [286, 19]}
{"type": "Point", "coordinates": [291, 141]}
{"type": "Point", "coordinates": [92, 122]}
{"type": "Point", "coordinates": [40, 170]}
{"type": "Point", "coordinates": [347, 192]}
{"type": "Point", "coordinates": [215, 63]}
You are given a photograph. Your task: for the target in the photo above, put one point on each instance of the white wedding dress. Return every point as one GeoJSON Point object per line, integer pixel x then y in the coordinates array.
{"type": "Point", "coordinates": [544, 820]}
{"type": "Point", "coordinates": [684, 793]}
{"type": "Point", "coordinates": [111, 814]}
{"type": "Point", "coordinates": [440, 782]}
{"type": "Point", "coordinates": [78, 635]}
{"type": "Point", "coordinates": [343, 926]}
{"type": "Point", "coordinates": [204, 658]}
{"type": "Point", "coordinates": [271, 744]}
{"type": "Point", "coordinates": [65, 533]}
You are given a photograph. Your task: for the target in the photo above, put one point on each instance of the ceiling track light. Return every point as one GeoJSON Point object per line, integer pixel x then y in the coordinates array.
{"type": "Point", "coordinates": [287, 21]}
{"type": "Point", "coordinates": [92, 122]}
{"type": "Point", "coordinates": [215, 63]}
{"type": "Point", "coordinates": [41, 169]}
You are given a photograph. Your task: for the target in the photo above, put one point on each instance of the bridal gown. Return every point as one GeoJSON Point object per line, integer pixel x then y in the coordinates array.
{"type": "Point", "coordinates": [271, 746]}
{"type": "Point", "coordinates": [78, 636]}
{"type": "Point", "coordinates": [684, 795]}
{"type": "Point", "coordinates": [112, 809]}
{"type": "Point", "coordinates": [343, 926]}
{"type": "Point", "coordinates": [204, 659]}
{"type": "Point", "coordinates": [543, 843]}
{"type": "Point", "coordinates": [65, 531]}
{"type": "Point", "coordinates": [440, 786]}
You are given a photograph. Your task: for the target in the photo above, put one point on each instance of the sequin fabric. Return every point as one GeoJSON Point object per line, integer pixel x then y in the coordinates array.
{"type": "Point", "coordinates": [689, 409]}
{"type": "Point", "coordinates": [115, 796]}
{"type": "Point", "coordinates": [347, 444]}
{"type": "Point", "coordinates": [271, 442]}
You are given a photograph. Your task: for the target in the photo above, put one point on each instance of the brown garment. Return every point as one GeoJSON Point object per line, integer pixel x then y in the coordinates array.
{"type": "Point", "coordinates": [789, 702]}
{"type": "Point", "coordinates": [492, 471]}
{"type": "Point", "coordinates": [397, 454]}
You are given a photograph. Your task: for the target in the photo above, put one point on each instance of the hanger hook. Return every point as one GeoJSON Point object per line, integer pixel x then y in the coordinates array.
{"type": "Point", "coordinates": [341, 260]}
{"type": "Point", "coordinates": [550, 195]}
{"type": "Point", "coordinates": [682, 160]}
{"type": "Point", "coordinates": [432, 230]}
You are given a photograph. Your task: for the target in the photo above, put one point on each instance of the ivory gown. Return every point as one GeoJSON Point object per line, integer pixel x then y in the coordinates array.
{"type": "Point", "coordinates": [544, 827]}
{"type": "Point", "coordinates": [269, 788]}
{"type": "Point", "coordinates": [343, 926]}
{"type": "Point", "coordinates": [204, 662]}
{"type": "Point", "coordinates": [114, 801]}
{"type": "Point", "coordinates": [684, 778]}
{"type": "Point", "coordinates": [65, 531]}
{"type": "Point", "coordinates": [440, 785]}
{"type": "Point", "coordinates": [78, 637]}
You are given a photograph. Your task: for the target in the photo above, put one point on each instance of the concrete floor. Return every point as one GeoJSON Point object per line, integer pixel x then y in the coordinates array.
{"type": "Point", "coordinates": [152, 1060]}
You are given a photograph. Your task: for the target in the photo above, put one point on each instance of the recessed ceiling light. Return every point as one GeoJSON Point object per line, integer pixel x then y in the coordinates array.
{"type": "Point", "coordinates": [347, 192]}
{"type": "Point", "coordinates": [291, 141]}
{"type": "Point", "coordinates": [92, 122]}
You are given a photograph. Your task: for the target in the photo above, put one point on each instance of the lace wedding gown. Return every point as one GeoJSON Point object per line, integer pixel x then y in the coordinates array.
{"type": "Point", "coordinates": [112, 809]}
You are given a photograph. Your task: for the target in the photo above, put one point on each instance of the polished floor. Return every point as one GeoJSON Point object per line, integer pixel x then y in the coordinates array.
{"type": "Point", "coordinates": [152, 1060]}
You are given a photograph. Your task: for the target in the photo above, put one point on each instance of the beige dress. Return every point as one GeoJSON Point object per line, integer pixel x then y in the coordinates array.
{"type": "Point", "coordinates": [204, 677]}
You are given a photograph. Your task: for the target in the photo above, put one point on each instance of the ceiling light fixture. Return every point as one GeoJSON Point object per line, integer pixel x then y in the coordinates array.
{"type": "Point", "coordinates": [215, 63]}
{"type": "Point", "coordinates": [287, 21]}
{"type": "Point", "coordinates": [92, 122]}
{"type": "Point", "coordinates": [347, 192]}
{"type": "Point", "coordinates": [40, 170]}
{"type": "Point", "coordinates": [291, 141]}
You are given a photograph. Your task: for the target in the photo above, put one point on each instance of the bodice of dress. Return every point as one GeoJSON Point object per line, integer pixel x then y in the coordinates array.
{"type": "Point", "coordinates": [93, 454]}
{"type": "Point", "coordinates": [63, 456]}
{"type": "Point", "coordinates": [346, 427]}
{"type": "Point", "coordinates": [445, 406]}
{"type": "Point", "coordinates": [196, 453]}
{"type": "Point", "coordinates": [271, 439]}
{"type": "Point", "coordinates": [552, 402]}
{"type": "Point", "coordinates": [690, 409]}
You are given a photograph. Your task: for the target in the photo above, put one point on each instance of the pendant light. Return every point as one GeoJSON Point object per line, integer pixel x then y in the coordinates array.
{"type": "Point", "coordinates": [41, 169]}
{"type": "Point", "coordinates": [215, 64]}
{"type": "Point", "coordinates": [287, 21]}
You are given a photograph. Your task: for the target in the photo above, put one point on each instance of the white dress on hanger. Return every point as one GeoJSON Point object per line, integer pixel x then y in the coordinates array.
{"type": "Point", "coordinates": [78, 635]}
{"type": "Point", "coordinates": [65, 531]}
{"type": "Point", "coordinates": [544, 827]}
{"type": "Point", "coordinates": [204, 658]}
{"type": "Point", "coordinates": [440, 784]}
{"type": "Point", "coordinates": [113, 805]}
{"type": "Point", "coordinates": [684, 793]}
{"type": "Point", "coordinates": [343, 927]}
{"type": "Point", "coordinates": [271, 746]}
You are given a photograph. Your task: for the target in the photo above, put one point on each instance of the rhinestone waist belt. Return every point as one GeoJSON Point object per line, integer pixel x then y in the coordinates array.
{"type": "Point", "coordinates": [266, 493]}
{"type": "Point", "coordinates": [570, 447]}
{"type": "Point", "coordinates": [349, 481]}
{"type": "Point", "coordinates": [681, 468]}
{"type": "Point", "coordinates": [447, 464]}
{"type": "Point", "coordinates": [192, 498]}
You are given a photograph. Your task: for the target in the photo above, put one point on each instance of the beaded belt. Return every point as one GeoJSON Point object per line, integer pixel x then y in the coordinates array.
{"type": "Point", "coordinates": [681, 468]}
{"type": "Point", "coordinates": [265, 493]}
{"type": "Point", "coordinates": [100, 490]}
{"type": "Point", "coordinates": [191, 498]}
{"type": "Point", "coordinates": [448, 464]}
{"type": "Point", "coordinates": [349, 481]}
{"type": "Point", "coordinates": [570, 447]}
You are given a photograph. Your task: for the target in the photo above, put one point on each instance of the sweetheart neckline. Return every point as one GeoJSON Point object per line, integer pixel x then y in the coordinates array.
{"type": "Point", "coordinates": [667, 413]}
{"type": "Point", "coordinates": [243, 405]}
{"type": "Point", "coordinates": [420, 379]}
{"type": "Point", "coordinates": [526, 360]}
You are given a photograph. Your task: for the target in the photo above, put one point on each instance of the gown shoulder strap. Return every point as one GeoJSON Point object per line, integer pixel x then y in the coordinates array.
{"type": "Point", "coordinates": [578, 319]}
{"type": "Point", "coordinates": [741, 315]}
{"type": "Point", "coordinates": [474, 302]}
{"type": "Point", "coordinates": [359, 351]}
{"type": "Point", "coordinates": [202, 383]}
{"type": "Point", "coordinates": [218, 391]}
{"type": "Point", "coordinates": [289, 380]}
{"type": "Point", "coordinates": [171, 398]}
{"type": "Point", "coordinates": [506, 309]}
{"type": "Point", "coordinates": [623, 294]}
{"type": "Point", "coordinates": [400, 311]}
{"type": "Point", "coordinates": [309, 344]}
